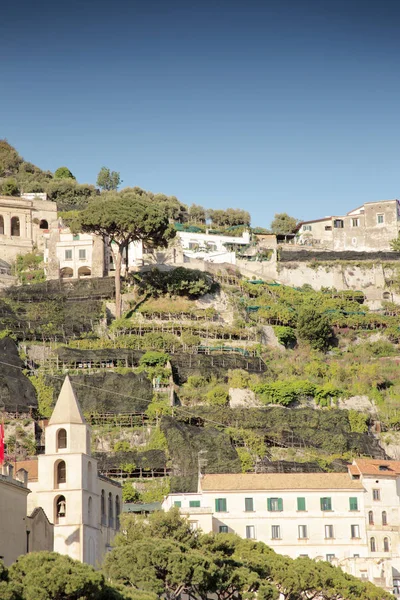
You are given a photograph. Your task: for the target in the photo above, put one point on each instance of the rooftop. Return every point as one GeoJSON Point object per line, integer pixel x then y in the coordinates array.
{"type": "Point", "coordinates": [366, 466]}
{"type": "Point", "coordinates": [279, 481]}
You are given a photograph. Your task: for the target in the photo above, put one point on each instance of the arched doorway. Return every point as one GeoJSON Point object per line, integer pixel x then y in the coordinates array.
{"type": "Point", "coordinates": [84, 272]}
{"type": "Point", "coordinates": [43, 224]}
{"type": "Point", "coordinates": [66, 273]}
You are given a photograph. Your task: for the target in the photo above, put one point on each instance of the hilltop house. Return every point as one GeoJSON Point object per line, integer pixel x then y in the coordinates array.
{"type": "Point", "coordinates": [23, 221]}
{"type": "Point", "coordinates": [350, 519]}
{"type": "Point", "coordinates": [367, 228]}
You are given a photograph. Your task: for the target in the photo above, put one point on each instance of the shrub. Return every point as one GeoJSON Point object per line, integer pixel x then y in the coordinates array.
{"type": "Point", "coordinates": [196, 381]}
{"type": "Point", "coordinates": [286, 335]}
{"type": "Point", "coordinates": [313, 327]}
{"type": "Point", "coordinates": [358, 422]}
{"type": "Point", "coordinates": [129, 492]}
{"type": "Point", "coordinates": [238, 378]}
{"type": "Point", "coordinates": [218, 396]}
{"type": "Point", "coordinates": [324, 394]}
{"type": "Point", "coordinates": [122, 446]}
{"type": "Point", "coordinates": [154, 359]}
{"type": "Point", "coordinates": [284, 392]}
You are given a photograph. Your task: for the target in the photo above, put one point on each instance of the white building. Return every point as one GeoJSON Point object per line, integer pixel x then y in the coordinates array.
{"type": "Point", "coordinates": [325, 516]}
{"type": "Point", "coordinates": [210, 247]}
{"type": "Point", "coordinates": [83, 506]}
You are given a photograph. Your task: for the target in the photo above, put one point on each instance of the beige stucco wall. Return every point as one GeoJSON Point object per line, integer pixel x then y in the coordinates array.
{"type": "Point", "coordinates": [41, 531]}
{"type": "Point", "coordinates": [12, 519]}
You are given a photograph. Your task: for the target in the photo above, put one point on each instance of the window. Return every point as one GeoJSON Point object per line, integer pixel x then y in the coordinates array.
{"type": "Point", "coordinates": [384, 518]}
{"type": "Point", "coordinates": [307, 228]}
{"type": "Point", "coordinates": [194, 503]}
{"type": "Point", "coordinates": [103, 508]}
{"type": "Point", "coordinates": [353, 502]}
{"type": "Point", "coordinates": [303, 555]}
{"type": "Point", "coordinates": [43, 224]}
{"type": "Point", "coordinates": [328, 227]}
{"type": "Point", "coordinates": [248, 505]}
{"type": "Point", "coordinates": [110, 511]}
{"type": "Point", "coordinates": [355, 531]}
{"type": "Point", "coordinates": [380, 219]}
{"type": "Point", "coordinates": [326, 504]}
{"type": "Point", "coordinates": [1, 225]}
{"type": "Point", "coordinates": [223, 528]}
{"type": "Point", "coordinates": [82, 254]}
{"type": "Point", "coordinates": [386, 544]}
{"type": "Point", "coordinates": [355, 222]}
{"type": "Point", "coordinates": [301, 504]}
{"type": "Point", "coordinates": [178, 503]}
{"type": "Point", "coordinates": [356, 556]}
{"type": "Point", "coordinates": [193, 525]}
{"type": "Point", "coordinates": [117, 511]}
{"type": "Point", "coordinates": [330, 557]}
{"type": "Point", "coordinates": [338, 224]}
{"type": "Point", "coordinates": [303, 532]}
{"type": "Point", "coordinates": [376, 494]}
{"type": "Point", "coordinates": [276, 532]}
{"type": "Point", "coordinates": [15, 227]}
{"type": "Point", "coordinates": [250, 532]}
{"type": "Point", "coordinates": [329, 532]}
{"type": "Point", "coordinates": [68, 255]}
{"type": "Point", "coordinates": [370, 518]}
{"type": "Point", "coordinates": [220, 505]}
{"type": "Point", "coordinates": [76, 237]}
{"type": "Point", "coordinates": [61, 472]}
{"type": "Point", "coordinates": [275, 504]}
{"type": "Point", "coordinates": [61, 439]}
{"type": "Point", "coordinates": [90, 502]}
{"type": "Point", "coordinates": [372, 544]}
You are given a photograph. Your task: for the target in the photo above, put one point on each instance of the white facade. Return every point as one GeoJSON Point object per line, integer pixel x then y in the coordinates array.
{"type": "Point", "coordinates": [325, 516]}
{"type": "Point", "coordinates": [73, 253]}
{"type": "Point", "coordinates": [83, 506]}
{"type": "Point", "coordinates": [210, 247]}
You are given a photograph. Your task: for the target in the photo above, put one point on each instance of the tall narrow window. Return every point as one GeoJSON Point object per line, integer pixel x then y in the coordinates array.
{"type": "Point", "coordinates": [223, 529]}
{"type": "Point", "coordinates": [353, 502]}
{"type": "Point", "coordinates": [329, 531]}
{"type": "Point", "coordinates": [103, 508]}
{"type": "Point", "coordinates": [386, 544]}
{"type": "Point", "coordinates": [15, 227]}
{"type": "Point", "coordinates": [90, 502]}
{"type": "Point", "coordinates": [61, 474]}
{"type": "Point", "coordinates": [110, 511]}
{"type": "Point", "coordinates": [303, 532]}
{"type": "Point", "coordinates": [1, 225]}
{"type": "Point", "coordinates": [330, 557]}
{"type": "Point", "coordinates": [380, 219]}
{"type": "Point", "coordinates": [372, 544]}
{"type": "Point", "coordinates": [384, 518]}
{"type": "Point", "coordinates": [301, 504]}
{"type": "Point", "coordinates": [250, 532]}
{"type": "Point", "coordinates": [117, 511]}
{"type": "Point", "coordinates": [376, 495]}
{"type": "Point", "coordinates": [61, 439]}
{"type": "Point", "coordinates": [355, 531]}
{"type": "Point", "coordinates": [248, 505]}
{"type": "Point", "coordinates": [276, 532]}
{"type": "Point", "coordinates": [370, 517]}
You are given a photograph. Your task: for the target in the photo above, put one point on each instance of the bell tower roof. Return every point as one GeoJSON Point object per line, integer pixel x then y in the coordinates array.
{"type": "Point", "coordinates": [67, 409]}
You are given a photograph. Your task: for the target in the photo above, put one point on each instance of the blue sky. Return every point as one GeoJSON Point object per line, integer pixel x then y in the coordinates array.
{"type": "Point", "coordinates": [268, 105]}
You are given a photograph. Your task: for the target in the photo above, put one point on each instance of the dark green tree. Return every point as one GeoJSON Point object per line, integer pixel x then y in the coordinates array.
{"type": "Point", "coordinates": [108, 180]}
{"type": "Point", "coordinates": [10, 187]}
{"type": "Point", "coordinates": [197, 214]}
{"type": "Point", "coordinates": [63, 173]}
{"type": "Point", "coordinates": [314, 327]}
{"type": "Point", "coordinates": [122, 220]}
{"type": "Point", "coordinates": [283, 223]}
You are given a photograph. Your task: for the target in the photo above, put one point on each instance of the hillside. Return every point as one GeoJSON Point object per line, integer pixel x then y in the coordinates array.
{"type": "Point", "coordinates": [259, 378]}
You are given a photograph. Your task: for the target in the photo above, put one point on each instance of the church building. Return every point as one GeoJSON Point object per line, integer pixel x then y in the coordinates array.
{"type": "Point", "coordinates": [83, 506]}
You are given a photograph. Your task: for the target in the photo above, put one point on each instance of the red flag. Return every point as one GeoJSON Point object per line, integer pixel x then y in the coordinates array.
{"type": "Point", "coordinates": [1, 443]}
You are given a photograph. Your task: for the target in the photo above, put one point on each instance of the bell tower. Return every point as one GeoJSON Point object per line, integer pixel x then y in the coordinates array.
{"type": "Point", "coordinates": [67, 480]}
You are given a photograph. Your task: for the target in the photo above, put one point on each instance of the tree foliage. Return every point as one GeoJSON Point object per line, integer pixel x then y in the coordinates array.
{"type": "Point", "coordinates": [108, 180]}
{"type": "Point", "coordinates": [63, 173]}
{"type": "Point", "coordinates": [314, 327]}
{"type": "Point", "coordinates": [283, 223]}
{"type": "Point", "coordinates": [162, 555]}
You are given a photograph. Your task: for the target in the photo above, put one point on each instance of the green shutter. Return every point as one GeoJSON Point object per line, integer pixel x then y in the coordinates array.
{"type": "Point", "coordinates": [178, 503]}
{"type": "Point", "coordinates": [301, 504]}
{"type": "Point", "coordinates": [353, 503]}
{"type": "Point", "coordinates": [269, 504]}
{"type": "Point", "coordinates": [280, 504]}
{"type": "Point", "coordinates": [248, 504]}
{"type": "Point", "coordinates": [194, 503]}
{"type": "Point", "coordinates": [326, 504]}
{"type": "Point", "coordinates": [220, 505]}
